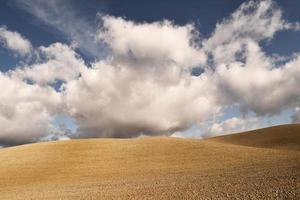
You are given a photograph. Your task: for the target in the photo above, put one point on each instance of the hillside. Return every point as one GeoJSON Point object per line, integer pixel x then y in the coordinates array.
{"type": "Point", "coordinates": [279, 137]}
{"type": "Point", "coordinates": [226, 167]}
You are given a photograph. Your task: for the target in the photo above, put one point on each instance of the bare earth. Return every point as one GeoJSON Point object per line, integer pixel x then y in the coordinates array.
{"type": "Point", "coordinates": [262, 164]}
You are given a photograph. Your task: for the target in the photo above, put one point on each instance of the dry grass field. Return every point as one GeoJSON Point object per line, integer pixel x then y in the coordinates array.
{"type": "Point", "coordinates": [261, 164]}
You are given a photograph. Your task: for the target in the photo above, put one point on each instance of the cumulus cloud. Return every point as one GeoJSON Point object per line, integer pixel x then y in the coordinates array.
{"type": "Point", "coordinates": [125, 95]}
{"type": "Point", "coordinates": [244, 74]}
{"type": "Point", "coordinates": [145, 87]}
{"type": "Point", "coordinates": [257, 85]}
{"type": "Point", "coordinates": [253, 21]}
{"type": "Point", "coordinates": [296, 116]}
{"type": "Point", "coordinates": [14, 42]}
{"type": "Point", "coordinates": [25, 110]}
{"type": "Point", "coordinates": [121, 101]}
{"type": "Point", "coordinates": [232, 125]}
{"type": "Point", "coordinates": [60, 132]}
{"type": "Point", "coordinates": [169, 44]}
{"type": "Point", "coordinates": [217, 127]}
{"type": "Point", "coordinates": [60, 63]}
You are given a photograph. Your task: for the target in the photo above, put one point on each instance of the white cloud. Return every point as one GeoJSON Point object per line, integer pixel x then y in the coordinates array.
{"type": "Point", "coordinates": [25, 110]}
{"type": "Point", "coordinates": [257, 85]}
{"type": "Point", "coordinates": [61, 63]}
{"type": "Point", "coordinates": [14, 41]}
{"type": "Point", "coordinates": [156, 91]}
{"type": "Point", "coordinates": [296, 115]}
{"type": "Point", "coordinates": [57, 133]}
{"type": "Point", "coordinates": [232, 125]}
{"type": "Point", "coordinates": [217, 127]}
{"type": "Point", "coordinates": [120, 101]}
{"type": "Point", "coordinates": [244, 74]}
{"type": "Point", "coordinates": [152, 44]}
{"type": "Point", "coordinates": [254, 21]}
{"type": "Point", "coordinates": [144, 87]}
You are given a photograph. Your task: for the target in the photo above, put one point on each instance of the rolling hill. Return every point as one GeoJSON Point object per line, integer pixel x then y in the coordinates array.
{"type": "Point", "coordinates": [260, 164]}
{"type": "Point", "coordinates": [277, 137]}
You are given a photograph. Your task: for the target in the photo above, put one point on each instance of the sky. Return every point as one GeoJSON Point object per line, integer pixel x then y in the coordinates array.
{"type": "Point", "coordinates": [124, 69]}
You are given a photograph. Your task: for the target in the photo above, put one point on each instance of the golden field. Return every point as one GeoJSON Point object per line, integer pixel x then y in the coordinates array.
{"type": "Point", "coordinates": [260, 164]}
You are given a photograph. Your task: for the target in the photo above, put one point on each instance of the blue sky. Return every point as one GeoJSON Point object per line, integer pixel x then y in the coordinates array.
{"type": "Point", "coordinates": [76, 26]}
{"type": "Point", "coordinates": [204, 14]}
